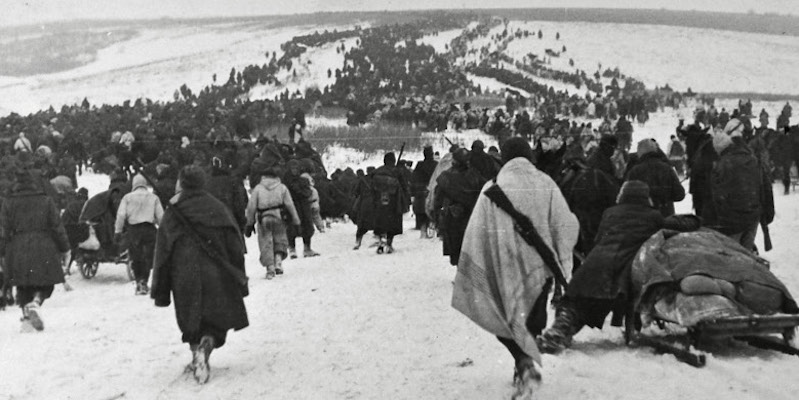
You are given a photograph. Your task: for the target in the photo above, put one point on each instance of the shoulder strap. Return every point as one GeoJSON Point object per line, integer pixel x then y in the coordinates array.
{"type": "Point", "coordinates": [527, 231]}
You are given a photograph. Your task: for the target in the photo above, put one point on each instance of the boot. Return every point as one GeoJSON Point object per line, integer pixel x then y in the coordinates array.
{"type": "Point", "coordinates": [358, 240]}
{"type": "Point", "coordinates": [202, 371]}
{"type": "Point", "coordinates": [141, 288]}
{"type": "Point", "coordinates": [279, 264]}
{"type": "Point", "coordinates": [270, 274]}
{"type": "Point", "coordinates": [34, 314]}
{"type": "Point", "coordinates": [423, 232]}
{"type": "Point", "coordinates": [308, 252]}
{"type": "Point", "coordinates": [190, 367]}
{"type": "Point", "coordinates": [558, 337]}
{"type": "Point", "coordinates": [292, 252]}
{"type": "Point", "coordinates": [526, 379]}
{"type": "Point", "coordinates": [381, 246]}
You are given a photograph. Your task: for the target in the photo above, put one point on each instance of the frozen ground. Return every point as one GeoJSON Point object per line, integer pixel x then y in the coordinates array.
{"type": "Point", "coordinates": [354, 325]}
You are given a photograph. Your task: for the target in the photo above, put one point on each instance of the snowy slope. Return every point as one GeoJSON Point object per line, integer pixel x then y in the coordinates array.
{"type": "Point", "coordinates": [154, 64]}
{"type": "Point", "coordinates": [703, 59]}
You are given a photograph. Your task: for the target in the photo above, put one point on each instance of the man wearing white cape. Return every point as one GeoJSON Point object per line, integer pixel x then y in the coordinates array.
{"type": "Point", "coordinates": [502, 282]}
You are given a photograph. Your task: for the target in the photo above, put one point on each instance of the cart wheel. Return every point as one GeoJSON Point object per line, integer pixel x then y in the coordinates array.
{"type": "Point", "coordinates": [88, 269]}
{"type": "Point", "coordinates": [129, 267]}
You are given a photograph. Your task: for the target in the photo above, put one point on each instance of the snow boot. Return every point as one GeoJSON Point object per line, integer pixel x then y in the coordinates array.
{"type": "Point", "coordinates": [142, 289]}
{"type": "Point", "coordinates": [431, 231]}
{"type": "Point", "coordinates": [308, 252]}
{"type": "Point", "coordinates": [270, 274]}
{"type": "Point", "coordinates": [202, 371]}
{"type": "Point", "coordinates": [558, 337]}
{"type": "Point", "coordinates": [34, 315]}
{"type": "Point", "coordinates": [292, 253]}
{"type": "Point", "coordinates": [358, 240]}
{"type": "Point", "coordinates": [381, 246]}
{"type": "Point", "coordinates": [526, 380]}
{"type": "Point", "coordinates": [190, 367]}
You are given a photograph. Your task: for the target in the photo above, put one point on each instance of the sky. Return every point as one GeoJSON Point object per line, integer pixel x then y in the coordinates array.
{"type": "Point", "coordinates": [24, 12]}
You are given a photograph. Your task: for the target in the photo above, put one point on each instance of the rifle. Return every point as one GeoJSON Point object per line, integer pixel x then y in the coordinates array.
{"type": "Point", "coordinates": [204, 243]}
{"type": "Point", "coordinates": [447, 139]}
{"type": "Point", "coordinates": [402, 149]}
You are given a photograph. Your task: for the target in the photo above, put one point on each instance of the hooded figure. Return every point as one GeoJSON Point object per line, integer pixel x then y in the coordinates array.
{"type": "Point", "coordinates": [272, 207]}
{"type": "Point", "coordinates": [34, 244]}
{"type": "Point", "coordinates": [457, 190]}
{"type": "Point", "coordinates": [736, 187]}
{"type": "Point", "coordinates": [199, 262]}
{"type": "Point", "coordinates": [483, 163]}
{"type": "Point", "coordinates": [502, 281]}
{"type": "Point", "coordinates": [660, 177]}
{"type": "Point", "coordinates": [138, 214]}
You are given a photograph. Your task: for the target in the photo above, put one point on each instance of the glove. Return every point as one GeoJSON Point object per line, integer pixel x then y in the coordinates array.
{"type": "Point", "coordinates": [248, 230]}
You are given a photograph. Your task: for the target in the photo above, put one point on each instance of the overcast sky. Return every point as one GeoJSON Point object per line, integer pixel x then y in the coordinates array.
{"type": "Point", "coordinates": [21, 12]}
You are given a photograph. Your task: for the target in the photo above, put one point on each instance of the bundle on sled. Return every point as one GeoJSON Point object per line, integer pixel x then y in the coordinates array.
{"type": "Point", "coordinates": [713, 287]}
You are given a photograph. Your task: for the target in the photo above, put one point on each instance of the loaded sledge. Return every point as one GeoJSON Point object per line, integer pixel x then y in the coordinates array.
{"type": "Point", "coordinates": [712, 287]}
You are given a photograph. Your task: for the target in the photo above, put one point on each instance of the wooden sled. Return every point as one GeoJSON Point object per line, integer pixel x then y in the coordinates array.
{"type": "Point", "coordinates": [759, 331]}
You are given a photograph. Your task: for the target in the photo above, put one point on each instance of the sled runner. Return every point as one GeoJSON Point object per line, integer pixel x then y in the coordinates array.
{"type": "Point", "coordinates": [769, 332]}
{"type": "Point", "coordinates": [715, 289]}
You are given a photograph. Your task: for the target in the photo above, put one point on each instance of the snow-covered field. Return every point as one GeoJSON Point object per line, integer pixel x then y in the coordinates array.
{"type": "Point", "coordinates": [354, 325]}
{"type": "Point", "coordinates": [153, 64]}
{"type": "Point", "coordinates": [705, 60]}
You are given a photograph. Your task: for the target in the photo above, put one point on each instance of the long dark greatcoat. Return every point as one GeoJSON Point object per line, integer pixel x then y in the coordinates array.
{"type": "Point", "coordinates": [456, 194]}
{"type": "Point", "coordinates": [201, 288]}
{"type": "Point", "coordinates": [32, 238]}
{"type": "Point", "coordinates": [388, 217]}
{"type": "Point", "coordinates": [363, 212]}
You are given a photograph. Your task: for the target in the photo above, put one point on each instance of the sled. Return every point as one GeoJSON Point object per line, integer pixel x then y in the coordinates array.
{"type": "Point", "coordinates": [755, 308]}
{"type": "Point", "coordinates": [770, 332]}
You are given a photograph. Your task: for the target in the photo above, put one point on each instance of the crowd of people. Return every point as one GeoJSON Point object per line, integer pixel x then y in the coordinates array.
{"type": "Point", "coordinates": [581, 203]}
